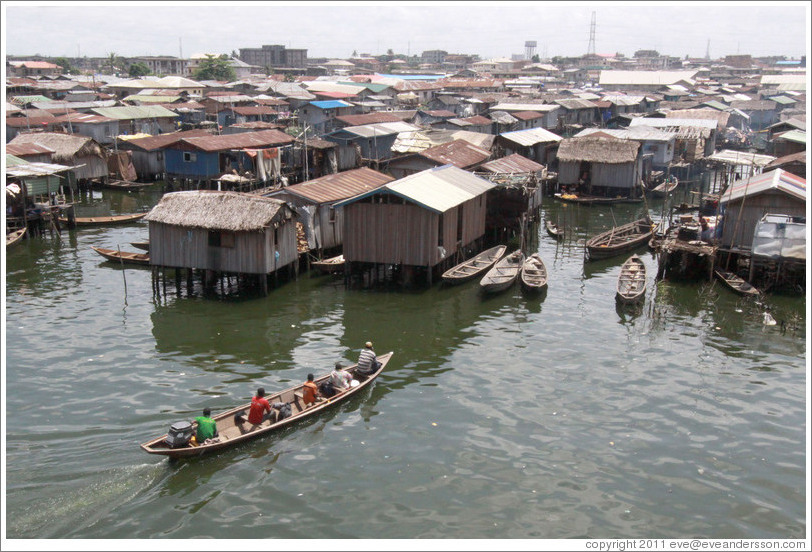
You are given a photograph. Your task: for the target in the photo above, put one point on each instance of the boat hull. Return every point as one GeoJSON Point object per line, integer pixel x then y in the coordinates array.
{"type": "Point", "coordinates": [226, 424]}
{"type": "Point", "coordinates": [622, 239]}
{"type": "Point", "coordinates": [503, 274]}
{"type": "Point", "coordinates": [533, 276]}
{"type": "Point", "coordinates": [126, 257]}
{"type": "Point", "coordinates": [736, 283]}
{"type": "Point", "coordinates": [473, 267]}
{"type": "Point", "coordinates": [631, 283]}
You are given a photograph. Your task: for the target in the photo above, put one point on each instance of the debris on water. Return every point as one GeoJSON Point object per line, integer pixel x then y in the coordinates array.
{"type": "Point", "coordinates": [700, 471]}
{"type": "Point", "coordinates": [768, 319]}
{"type": "Point", "coordinates": [434, 424]}
{"type": "Point", "coordinates": [611, 443]}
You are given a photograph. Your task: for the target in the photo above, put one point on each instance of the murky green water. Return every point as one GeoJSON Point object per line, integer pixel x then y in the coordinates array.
{"type": "Point", "coordinates": [498, 417]}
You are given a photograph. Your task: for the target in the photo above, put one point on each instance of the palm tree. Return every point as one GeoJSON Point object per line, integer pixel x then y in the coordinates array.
{"type": "Point", "coordinates": [111, 60]}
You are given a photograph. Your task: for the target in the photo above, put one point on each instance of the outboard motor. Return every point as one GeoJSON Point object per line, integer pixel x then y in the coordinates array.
{"type": "Point", "coordinates": [179, 435]}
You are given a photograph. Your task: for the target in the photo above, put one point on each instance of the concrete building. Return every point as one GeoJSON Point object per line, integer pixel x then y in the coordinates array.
{"type": "Point", "coordinates": [275, 55]}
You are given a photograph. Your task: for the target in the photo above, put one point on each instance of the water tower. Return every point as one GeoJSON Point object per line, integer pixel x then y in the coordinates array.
{"type": "Point", "coordinates": [529, 49]}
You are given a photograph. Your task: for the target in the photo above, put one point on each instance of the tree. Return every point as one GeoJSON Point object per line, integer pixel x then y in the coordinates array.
{"type": "Point", "coordinates": [535, 58]}
{"type": "Point", "coordinates": [355, 53]}
{"type": "Point", "coordinates": [139, 69]}
{"type": "Point", "coordinates": [215, 68]}
{"type": "Point", "coordinates": [66, 65]}
{"type": "Point", "coordinates": [390, 52]}
{"type": "Point", "coordinates": [111, 62]}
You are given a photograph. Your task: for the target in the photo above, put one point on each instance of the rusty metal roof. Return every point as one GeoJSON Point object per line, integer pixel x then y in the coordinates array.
{"type": "Point", "coordinates": [459, 153]}
{"type": "Point", "coordinates": [254, 110]}
{"type": "Point", "coordinates": [153, 143]}
{"type": "Point", "coordinates": [514, 163]}
{"type": "Point", "coordinates": [27, 149]}
{"type": "Point", "coordinates": [369, 118]}
{"type": "Point", "coordinates": [339, 186]}
{"type": "Point", "coordinates": [243, 140]}
{"type": "Point", "coordinates": [527, 115]}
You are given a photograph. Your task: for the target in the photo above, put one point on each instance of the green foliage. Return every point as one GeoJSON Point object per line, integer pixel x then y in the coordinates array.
{"type": "Point", "coordinates": [67, 66]}
{"type": "Point", "coordinates": [535, 58]}
{"type": "Point", "coordinates": [139, 69]}
{"type": "Point", "coordinates": [215, 68]}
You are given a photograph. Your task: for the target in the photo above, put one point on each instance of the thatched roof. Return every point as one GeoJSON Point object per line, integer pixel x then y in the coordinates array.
{"type": "Point", "coordinates": [225, 211]}
{"type": "Point", "coordinates": [66, 147]}
{"type": "Point", "coordinates": [595, 149]}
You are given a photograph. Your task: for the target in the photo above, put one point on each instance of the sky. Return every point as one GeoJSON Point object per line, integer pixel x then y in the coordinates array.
{"type": "Point", "coordinates": [337, 29]}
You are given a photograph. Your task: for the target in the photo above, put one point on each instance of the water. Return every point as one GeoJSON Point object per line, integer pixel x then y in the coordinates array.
{"type": "Point", "coordinates": [500, 417]}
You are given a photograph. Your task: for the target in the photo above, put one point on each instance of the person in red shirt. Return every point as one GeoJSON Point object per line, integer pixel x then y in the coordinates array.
{"type": "Point", "coordinates": [310, 391]}
{"type": "Point", "coordinates": [260, 408]}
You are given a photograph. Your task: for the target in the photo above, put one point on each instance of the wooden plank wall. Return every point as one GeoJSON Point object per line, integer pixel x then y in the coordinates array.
{"type": "Point", "coordinates": [741, 235]}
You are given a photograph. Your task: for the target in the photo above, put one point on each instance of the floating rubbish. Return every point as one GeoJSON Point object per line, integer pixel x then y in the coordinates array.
{"type": "Point", "coordinates": [768, 319]}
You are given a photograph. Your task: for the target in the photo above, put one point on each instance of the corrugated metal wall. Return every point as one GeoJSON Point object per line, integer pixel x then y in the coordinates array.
{"type": "Point", "coordinates": [614, 175]}
{"type": "Point", "coordinates": [147, 164]}
{"type": "Point", "coordinates": [740, 234]}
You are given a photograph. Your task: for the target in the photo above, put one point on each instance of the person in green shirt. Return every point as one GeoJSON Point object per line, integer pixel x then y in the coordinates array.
{"type": "Point", "coordinates": [206, 427]}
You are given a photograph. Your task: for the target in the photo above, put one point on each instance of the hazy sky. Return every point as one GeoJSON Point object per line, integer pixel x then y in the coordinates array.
{"type": "Point", "coordinates": [336, 29]}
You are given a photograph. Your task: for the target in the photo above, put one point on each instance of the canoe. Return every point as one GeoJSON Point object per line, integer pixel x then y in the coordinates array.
{"type": "Point", "coordinates": [232, 433]}
{"type": "Point", "coordinates": [126, 185]}
{"type": "Point", "coordinates": [554, 230]}
{"type": "Point", "coordinates": [142, 245]}
{"type": "Point", "coordinates": [620, 239]}
{"type": "Point", "coordinates": [13, 238]}
{"type": "Point", "coordinates": [631, 283]}
{"type": "Point", "coordinates": [736, 283]}
{"type": "Point", "coordinates": [503, 274]}
{"type": "Point", "coordinates": [126, 257]}
{"type": "Point", "coordinates": [473, 267]}
{"type": "Point", "coordinates": [664, 189]}
{"type": "Point", "coordinates": [333, 264]}
{"type": "Point", "coordinates": [101, 221]}
{"type": "Point", "coordinates": [595, 200]}
{"type": "Point", "coordinates": [534, 274]}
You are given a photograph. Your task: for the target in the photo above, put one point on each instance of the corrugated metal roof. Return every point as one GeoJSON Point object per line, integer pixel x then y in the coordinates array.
{"type": "Point", "coordinates": [531, 136]}
{"type": "Point", "coordinates": [613, 76]}
{"type": "Point", "coordinates": [458, 153]}
{"type": "Point", "coordinates": [621, 100]}
{"type": "Point", "coordinates": [577, 103]}
{"type": "Point", "coordinates": [254, 110]}
{"type": "Point", "coordinates": [335, 187]}
{"type": "Point", "coordinates": [380, 129]}
{"type": "Point", "coordinates": [794, 135]}
{"type": "Point", "coordinates": [27, 149]}
{"type": "Point", "coordinates": [633, 133]}
{"type": "Point", "coordinates": [152, 143]}
{"type": "Point", "coordinates": [735, 157]}
{"type": "Point", "coordinates": [330, 104]}
{"type": "Point", "coordinates": [778, 179]}
{"type": "Point", "coordinates": [527, 115]}
{"type": "Point", "coordinates": [541, 108]}
{"type": "Point", "coordinates": [369, 118]}
{"type": "Point", "coordinates": [35, 169]}
{"type": "Point", "coordinates": [243, 140]}
{"type": "Point", "coordinates": [514, 163]}
{"type": "Point", "coordinates": [136, 112]}
{"type": "Point", "coordinates": [438, 189]}
{"type": "Point", "coordinates": [658, 122]}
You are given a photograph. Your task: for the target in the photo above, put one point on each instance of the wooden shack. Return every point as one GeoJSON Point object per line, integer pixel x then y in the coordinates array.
{"type": "Point", "coordinates": [148, 152]}
{"type": "Point", "coordinates": [84, 155]}
{"type": "Point", "coordinates": [416, 225]}
{"type": "Point", "coordinates": [601, 165]}
{"type": "Point", "coordinates": [744, 203]}
{"type": "Point", "coordinates": [314, 202]}
{"type": "Point", "coordinates": [459, 153]}
{"type": "Point", "coordinates": [222, 233]}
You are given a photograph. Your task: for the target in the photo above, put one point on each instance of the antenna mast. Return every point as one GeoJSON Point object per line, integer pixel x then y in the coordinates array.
{"type": "Point", "coordinates": [591, 48]}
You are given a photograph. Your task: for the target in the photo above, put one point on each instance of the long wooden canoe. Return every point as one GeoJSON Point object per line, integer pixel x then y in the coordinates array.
{"type": "Point", "coordinates": [333, 264]}
{"type": "Point", "coordinates": [664, 189]}
{"type": "Point", "coordinates": [101, 221]}
{"type": "Point", "coordinates": [126, 257]}
{"type": "Point", "coordinates": [534, 274]}
{"type": "Point", "coordinates": [142, 245]}
{"type": "Point", "coordinates": [631, 283]}
{"type": "Point", "coordinates": [620, 239]}
{"type": "Point", "coordinates": [126, 185]}
{"type": "Point", "coordinates": [553, 229]}
{"type": "Point", "coordinates": [232, 432]}
{"type": "Point", "coordinates": [503, 274]}
{"type": "Point", "coordinates": [13, 238]}
{"type": "Point", "coordinates": [473, 267]}
{"type": "Point", "coordinates": [584, 199]}
{"type": "Point", "coordinates": [736, 283]}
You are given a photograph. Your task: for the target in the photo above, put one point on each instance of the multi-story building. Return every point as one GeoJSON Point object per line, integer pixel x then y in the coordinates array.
{"type": "Point", "coordinates": [164, 65]}
{"type": "Point", "coordinates": [434, 57]}
{"type": "Point", "coordinates": [275, 55]}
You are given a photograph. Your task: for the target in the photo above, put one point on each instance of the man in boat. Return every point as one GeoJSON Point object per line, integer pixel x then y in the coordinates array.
{"type": "Point", "coordinates": [310, 391]}
{"type": "Point", "coordinates": [206, 427]}
{"type": "Point", "coordinates": [340, 379]}
{"type": "Point", "coordinates": [260, 408]}
{"type": "Point", "coordinates": [367, 361]}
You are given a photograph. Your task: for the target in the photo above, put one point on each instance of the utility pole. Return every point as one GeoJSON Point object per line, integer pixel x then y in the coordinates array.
{"type": "Point", "coordinates": [591, 48]}
{"type": "Point", "coordinates": [707, 50]}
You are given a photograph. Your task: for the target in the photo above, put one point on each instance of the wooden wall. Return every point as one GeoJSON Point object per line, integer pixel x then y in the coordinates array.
{"type": "Point", "coordinates": [740, 235]}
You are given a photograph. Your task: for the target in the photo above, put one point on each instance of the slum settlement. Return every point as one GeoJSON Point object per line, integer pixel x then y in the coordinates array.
{"type": "Point", "coordinates": [397, 168]}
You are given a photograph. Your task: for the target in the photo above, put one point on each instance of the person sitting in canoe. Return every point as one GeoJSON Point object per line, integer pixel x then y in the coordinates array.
{"type": "Point", "coordinates": [206, 427]}
{"type": "Point", "coordinates": [340, 379]}
{"type": "Point", "coordinates": [367, 361]}
{"type": "Point", "coordinates": [260, 408]}
{"type": "Point", "coordinates": [310, 391]}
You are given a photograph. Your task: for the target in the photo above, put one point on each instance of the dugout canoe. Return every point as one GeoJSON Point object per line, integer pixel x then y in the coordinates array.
{"type": "Point", "coordinates": [631, 282]}
{"type": "Point", "coordinates": [534, 274]}
{"type": "Point", "coordinates": [105, 221]}
{"type": "Point", "coordinates": [232, 433]}
{"type": "Point", "coordinates": [13, 238]}
{"type": "Point", "coordinates": [503, 274]}
{"type": "Point", "coordinates": [473, 267]}
{"type": "Point", "coordinates": [554, 230]}
{"type": "Point", "coordinates": [126, 257]}
{"type": "Point", "coordinates": [620, 239]}
{"type": "Point", "coordinates": [327, 266]}
{"type": "Point", "coordinates": [736, 283]}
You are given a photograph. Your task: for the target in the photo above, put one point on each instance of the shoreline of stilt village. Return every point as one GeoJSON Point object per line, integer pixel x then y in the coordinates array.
{"type": "Point", "coordinates": [398, 169]}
